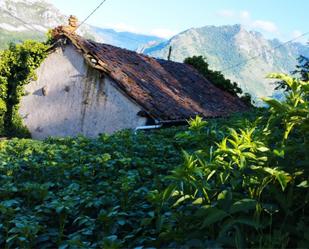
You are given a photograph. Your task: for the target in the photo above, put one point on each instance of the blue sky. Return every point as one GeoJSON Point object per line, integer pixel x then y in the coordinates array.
{"type": "Point", "coordinates": [284, 19]}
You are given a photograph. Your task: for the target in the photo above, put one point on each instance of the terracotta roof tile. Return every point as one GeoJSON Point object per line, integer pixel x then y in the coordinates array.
{"type": "Point", "coordinates": [166, 90]}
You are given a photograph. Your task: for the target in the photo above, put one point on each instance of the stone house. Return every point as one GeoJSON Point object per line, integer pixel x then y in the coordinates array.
{"type": "Point", "coordinates": [88, 88]}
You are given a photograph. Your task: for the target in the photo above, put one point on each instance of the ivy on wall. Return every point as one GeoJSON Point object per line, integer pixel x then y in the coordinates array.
{"type": "Point", "coordinates": [17, 68]}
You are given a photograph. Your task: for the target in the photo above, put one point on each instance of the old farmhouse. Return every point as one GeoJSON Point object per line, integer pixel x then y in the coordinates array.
{"type": "Point", "coordinates": [84, 87]}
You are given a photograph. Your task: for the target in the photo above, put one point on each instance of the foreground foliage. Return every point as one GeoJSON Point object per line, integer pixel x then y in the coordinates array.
{"type": "Point", "coordinates": [250, 189]}
{"type": "Point", "coordinates": [227, 183]}
{"type": "Point", "coordinates": [83, 193]}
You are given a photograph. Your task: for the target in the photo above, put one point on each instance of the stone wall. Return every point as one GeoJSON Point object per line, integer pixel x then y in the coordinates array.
{"type": "Point", "coordinates": [70, 98]}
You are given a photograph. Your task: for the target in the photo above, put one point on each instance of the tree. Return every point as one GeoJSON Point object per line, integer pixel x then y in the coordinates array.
{"type": "Point", "coordinates": [302, 69]}
{"type": "Point", "coordinates": [301, 72]}
{"type": "Point", "coordinates": [17, 68]}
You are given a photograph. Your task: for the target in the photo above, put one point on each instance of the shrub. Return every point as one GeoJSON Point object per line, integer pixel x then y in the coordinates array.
{"type": "Point", "coordinates": [17, 68]}
{"type": "Point", "coordinates": [251, 188]}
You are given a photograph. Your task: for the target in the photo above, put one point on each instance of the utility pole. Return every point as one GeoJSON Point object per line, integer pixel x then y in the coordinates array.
{"type": "Point", "coordinates": [169, 53]}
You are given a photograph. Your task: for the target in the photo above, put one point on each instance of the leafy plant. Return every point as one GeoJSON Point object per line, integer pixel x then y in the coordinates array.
{"type": "Point", "coordinates": [236, 192]}
{"type": "Point", "coordinates": [302, 71]}
{"type": "Point", "coordinates": [83, 193]}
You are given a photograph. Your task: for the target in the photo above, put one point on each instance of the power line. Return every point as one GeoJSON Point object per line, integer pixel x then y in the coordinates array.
{"type": "Point", "coordinates": [269, 50]}
{"type": "Point", "coordinates": [99, 6]}
{"type": "Point", "coordinates": [26, 25]}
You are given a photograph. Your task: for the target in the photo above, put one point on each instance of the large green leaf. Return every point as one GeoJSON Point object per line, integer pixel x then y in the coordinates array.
{"type": "Point", "coordinates": [283, 179]}
{"type": "Point", "coordinates": [213, 215]}
{"type": "Point", "coordinates": [243, 205]}
{"type": "Point", "coordinates": [278, 106]}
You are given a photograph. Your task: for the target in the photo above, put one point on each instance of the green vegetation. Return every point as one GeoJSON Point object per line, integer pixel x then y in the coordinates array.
{"type": "Point", "coordinates": [249, 189]}
{"type": "Point", "coordinates": [17, 68]}
{"type": "Point", "coordinates": [216, 77]}
{"type": "Point", "coordinates": [81, 193]}
{"type": "Point", "coordinates": [240, 182]}
{"type": "Point", "coordinates": [302, 71]}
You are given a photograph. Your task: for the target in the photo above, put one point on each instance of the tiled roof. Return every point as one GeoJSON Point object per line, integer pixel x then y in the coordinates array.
{"type": "Point", "coordinates": [166, 90]}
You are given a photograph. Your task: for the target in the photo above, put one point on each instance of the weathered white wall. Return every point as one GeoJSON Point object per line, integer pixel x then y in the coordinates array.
{"type": "Point", "coordinates": [78, 100]}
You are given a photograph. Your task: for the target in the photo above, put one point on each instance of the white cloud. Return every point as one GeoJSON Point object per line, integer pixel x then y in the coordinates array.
{"type": "Point", "coordinates": [244, 17]}
{"type": "Point", "coordinates": [265, 26]}
{"type": "Point", "coordinates": [123, 27]}
{"type": "Point", "coordinates": [226, 13]}
{"type": "Point", "coordinates": [245, 14]}
{"type": "Point", "coordinates": [160, 32]}
{"type": "Point", "coordinates": [163, 33]}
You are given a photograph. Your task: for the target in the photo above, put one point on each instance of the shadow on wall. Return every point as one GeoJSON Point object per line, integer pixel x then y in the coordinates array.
{"type": "Point", "coordinates": [79, 109]}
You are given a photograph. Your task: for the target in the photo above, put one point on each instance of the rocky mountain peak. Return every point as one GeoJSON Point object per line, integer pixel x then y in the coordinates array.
{"type": "Point", "coordinates": [37, 13]}
{"type": "Point", "coordinates": [229, 45]}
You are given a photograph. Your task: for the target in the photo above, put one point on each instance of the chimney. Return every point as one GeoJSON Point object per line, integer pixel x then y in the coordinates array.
{"type": "Point", "coordinates": [73, 24]}
{"type": "Point", "coordinates": [68, 29]}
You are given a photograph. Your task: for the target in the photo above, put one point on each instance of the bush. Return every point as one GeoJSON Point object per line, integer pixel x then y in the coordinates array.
{"type": "Point", "coordinates": [17, 68]}
{"type": "Point", "coordinates": [250, 190]}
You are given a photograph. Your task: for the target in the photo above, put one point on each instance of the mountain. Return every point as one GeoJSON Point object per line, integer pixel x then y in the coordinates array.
{"type": "Point", "coordinates": [40, 15]}
{"type": "Point", "coordinates": [127, 40]}
{"type": "Point", "coordinates": [225, 46]}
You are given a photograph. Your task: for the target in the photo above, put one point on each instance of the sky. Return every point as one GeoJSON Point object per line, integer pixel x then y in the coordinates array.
{"type": "Point", "coordinates": [283, 19]}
